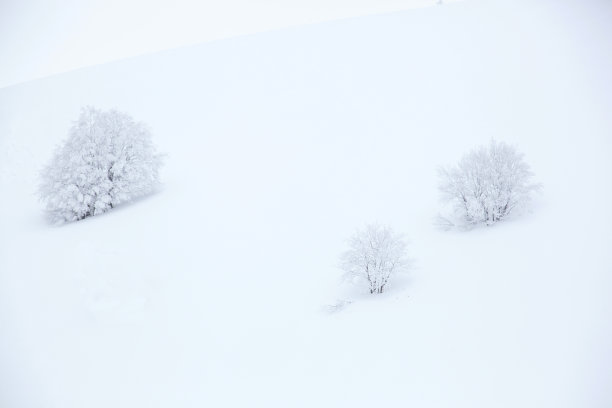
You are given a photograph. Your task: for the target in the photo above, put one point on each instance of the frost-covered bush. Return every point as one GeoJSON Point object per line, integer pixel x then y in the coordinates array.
{"type": "Point", "coordinates": [376, 253]}
{"type": "Point", "coordinates": [107, 159]}
{"type": "Point", "coordinates": [488, 184]}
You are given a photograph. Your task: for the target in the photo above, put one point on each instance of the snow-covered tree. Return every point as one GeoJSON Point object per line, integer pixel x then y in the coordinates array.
{"type": "Point", "coordinates": [376, 253]}
{"type": "Point", "coordinates": [488, 184]}
{"type": "Point", "coordinates": [107, 159]}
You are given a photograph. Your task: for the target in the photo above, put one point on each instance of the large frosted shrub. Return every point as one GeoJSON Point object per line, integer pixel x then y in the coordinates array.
{"type": "Point", "coordinates": [488, 184]}
{"type": "Point", "coordinates": [107, 159]}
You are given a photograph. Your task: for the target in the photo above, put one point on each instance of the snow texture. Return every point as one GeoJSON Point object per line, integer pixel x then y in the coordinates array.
{"type": "Point", "coordinates": [213, 292]}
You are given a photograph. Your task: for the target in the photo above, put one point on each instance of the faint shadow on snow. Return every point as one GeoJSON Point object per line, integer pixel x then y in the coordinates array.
{"type": "Point", "coordinates": [117, 308]}
{"type": "Point", "coordinates": [48, 218]}
{"type": "Point", "coordinates": [354, 292]}
{"type": "Point", "coordinates": [446, 224]}
{"type": "Point", "coordinates": [449, 219]}
{"type": "Point", "coordinates": [337, 306]}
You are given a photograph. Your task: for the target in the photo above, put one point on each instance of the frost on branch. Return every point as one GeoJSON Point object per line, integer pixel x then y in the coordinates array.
{"type": "Point", "coordinates": [107, 159]}
{"type": "Point", "coordinates": [488, 184]}
{"type": "Point", "coordinates": [375, 255]}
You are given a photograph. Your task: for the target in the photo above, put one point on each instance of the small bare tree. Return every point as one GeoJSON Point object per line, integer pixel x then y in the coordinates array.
{"type": "Point", "coordinates": [488, 184]}
{"type": "Point", "coordinates": [376, 253]}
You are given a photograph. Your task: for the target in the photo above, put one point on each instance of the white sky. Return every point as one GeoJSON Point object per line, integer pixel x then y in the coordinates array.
{"type": "Point", "coordinates": [44, 37]}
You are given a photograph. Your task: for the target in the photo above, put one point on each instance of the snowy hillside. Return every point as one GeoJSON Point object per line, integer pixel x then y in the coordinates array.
{"type": "Point", "coordinates": [223, 288]}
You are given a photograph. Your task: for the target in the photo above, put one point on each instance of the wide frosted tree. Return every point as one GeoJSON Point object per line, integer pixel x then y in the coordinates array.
{"type": "Point", "coordinates": [107, 159]}
{"type": "Point", "coordinates": [488, 184]}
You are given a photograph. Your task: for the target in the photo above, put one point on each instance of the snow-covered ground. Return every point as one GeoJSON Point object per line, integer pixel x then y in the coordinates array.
{"type": "Point", "coordinates": [223, 288]}
{"type": "Point", "coordinates": [39, 38]}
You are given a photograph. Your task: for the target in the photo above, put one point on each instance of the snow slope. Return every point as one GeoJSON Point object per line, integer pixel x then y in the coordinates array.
{"type": "Point", "coordinates": [55, 36]}
{"type": "Point", "coordinates": [216, 291]}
